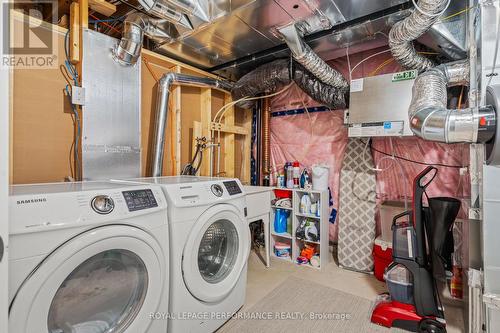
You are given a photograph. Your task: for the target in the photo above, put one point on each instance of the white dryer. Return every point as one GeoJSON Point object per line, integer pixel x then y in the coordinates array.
{"type": "Point", "coordinates": [209, 248]}
{"type": "Point", "coordinates": [88, 257]}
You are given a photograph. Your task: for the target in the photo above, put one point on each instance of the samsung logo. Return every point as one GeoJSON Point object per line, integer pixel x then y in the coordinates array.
{"type": "Point", "coordinates": [29, 201]}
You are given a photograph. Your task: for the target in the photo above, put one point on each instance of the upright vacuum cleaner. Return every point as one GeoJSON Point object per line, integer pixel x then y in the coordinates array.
{"type": "Point", "coordinates": [422, 249]}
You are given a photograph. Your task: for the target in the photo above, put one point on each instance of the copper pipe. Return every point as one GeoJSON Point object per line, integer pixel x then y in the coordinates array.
{"type": "Point", "coordinates": [266, 142]}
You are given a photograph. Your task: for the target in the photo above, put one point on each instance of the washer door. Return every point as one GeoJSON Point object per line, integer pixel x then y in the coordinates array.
{"type": "Point", "coordinates": [108, 279]}
{"type": "Point", "coordinates": [216, 253]}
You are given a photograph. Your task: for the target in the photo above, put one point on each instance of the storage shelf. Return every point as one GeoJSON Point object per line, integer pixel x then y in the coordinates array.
{"type": "Point", "coordinates": [308, 241]}
{"type": "Point", "coordinates": [285, 208]}
{"type": "Point", "coordinates": [281, 234]}
{"type": "Point", "coordinates": [308, 216]}
{"type": "Point", "coordinates": [322, 224]}
{"type": "Point", "coordinates": [283, 258]}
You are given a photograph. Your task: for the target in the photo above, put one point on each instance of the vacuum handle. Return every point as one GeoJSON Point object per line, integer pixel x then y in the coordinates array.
{"type": "Point", "coordinates": [397, 217]}
{"type": "Point", "coordinates": [422, 175]}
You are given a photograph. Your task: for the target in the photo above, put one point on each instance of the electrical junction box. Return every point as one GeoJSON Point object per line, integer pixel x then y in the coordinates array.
{"type": "Point", "coordinates": [379, 105]}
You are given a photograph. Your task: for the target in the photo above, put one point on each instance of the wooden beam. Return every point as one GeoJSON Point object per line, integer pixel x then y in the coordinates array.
{"type": "Point", "coordinates": [229, 149]}
{"type": "Point", "coordinates": [74, 36]}
{"type": "Point", "coordinates": [206, 119]}
{"type": "Point", "coordinates": [103, 7]}
{"type": "Point", "coordinates": [233, 129]}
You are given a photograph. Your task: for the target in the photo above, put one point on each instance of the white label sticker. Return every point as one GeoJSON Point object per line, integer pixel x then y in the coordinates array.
{"type": "Point", "coordinates": [357, 85]}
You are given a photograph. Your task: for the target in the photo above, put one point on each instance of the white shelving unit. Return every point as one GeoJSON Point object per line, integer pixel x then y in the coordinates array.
{"type": "Point", "coordinates": [296, 217]}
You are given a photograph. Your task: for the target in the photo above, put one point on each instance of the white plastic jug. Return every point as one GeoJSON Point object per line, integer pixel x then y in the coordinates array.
{"type": "Point", "coordinates": [320, 175]}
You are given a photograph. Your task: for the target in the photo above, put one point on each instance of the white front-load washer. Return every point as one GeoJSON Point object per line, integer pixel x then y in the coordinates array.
{"type": "Point", "coordinates": [88, 257]}
{"type": "Point", "coordinates": [209, 248]}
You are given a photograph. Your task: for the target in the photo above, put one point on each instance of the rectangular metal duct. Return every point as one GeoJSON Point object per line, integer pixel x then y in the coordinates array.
{"type": "Point", "coordinates": [111, 135]}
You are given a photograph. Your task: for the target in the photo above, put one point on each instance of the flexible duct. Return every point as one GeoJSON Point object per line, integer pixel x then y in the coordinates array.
{"type": "Point", "coordinates": [429, 116]}
{"type": "Point", "coordinates": [404, 32]}
{"type": "Point", "coordinates": [269, 77]}
{"type": "Point", "coordinates": [304, 55]}
{"type": "Point", "coordinates": [163, 96]}
{"type": "Point", "coordinates": [135, 26]}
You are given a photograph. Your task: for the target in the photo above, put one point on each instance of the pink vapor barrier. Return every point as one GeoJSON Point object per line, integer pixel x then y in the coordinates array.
{"type": "Point", "coordinates": [321, 138]}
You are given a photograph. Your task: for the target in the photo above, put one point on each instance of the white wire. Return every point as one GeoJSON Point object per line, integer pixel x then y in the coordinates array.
{"type": "Point", "coordinates": [395, 160]}
{"type": "Point", "coordinates": [429, 14]}
{"type": "Point", "coordinates": [367, 58]}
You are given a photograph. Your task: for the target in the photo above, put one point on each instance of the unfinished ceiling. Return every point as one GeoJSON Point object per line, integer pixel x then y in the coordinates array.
{"type": "Point", "coordinates": [242, 34]}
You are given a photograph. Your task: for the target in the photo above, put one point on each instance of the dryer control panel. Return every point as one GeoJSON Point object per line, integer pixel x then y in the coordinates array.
{"type": "Point", "coordinates": [139, 199]}
{"type": "Point", "coordinates": [232, 187]}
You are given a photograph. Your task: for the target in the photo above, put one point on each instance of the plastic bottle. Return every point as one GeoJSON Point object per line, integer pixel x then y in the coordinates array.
{"type": "Point", "coordinates": [296, 174]}
{"type": "Point", "coordinates": [305, 204]}
{"type": "Point", "coordinates": [304, 178]}
{"type": "Point", "coordinates": [289, 176]}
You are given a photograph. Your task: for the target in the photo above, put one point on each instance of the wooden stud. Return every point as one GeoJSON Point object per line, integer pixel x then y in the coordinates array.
{"type": "Point", "coordinates": [103, 7]}
{"type": "Point", "coordinates": [74, 35]}
{"type": "Point", "coordinates": [206, 118]}
{"type": "Point", "coordinates": [229, 149]}
{"type": "Point", "coordinates": [229, 129]}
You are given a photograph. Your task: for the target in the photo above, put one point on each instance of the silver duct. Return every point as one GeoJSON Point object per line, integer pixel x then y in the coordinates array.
{"type": "Point", "coordinates": [304, 55]}
{"type": "Point", "coordinates": [429, 116]}
{"type": "Point", "coordinates": [198, 8]}
{"type": "Point", "coordinates": [404, 32]}
{"type": "Point", "coordinates": [162, 9]}
{"type": "Point", "coordinates": [135, 26]}
{"type": "Point", "coordinates": [163, 96]}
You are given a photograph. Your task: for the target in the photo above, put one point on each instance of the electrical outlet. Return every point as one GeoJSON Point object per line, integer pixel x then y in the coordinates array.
{"type": "Point", "coordinates": [77, 95]}
{"type": "Point", "coordinates": [346, 117]}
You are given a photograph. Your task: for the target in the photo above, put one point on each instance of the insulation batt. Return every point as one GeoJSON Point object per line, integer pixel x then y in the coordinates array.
{"type": "Point", "coordinates": [272, 76]}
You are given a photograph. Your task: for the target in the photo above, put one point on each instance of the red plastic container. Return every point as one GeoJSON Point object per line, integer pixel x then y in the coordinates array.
{"type": "Point", "coordinates": [283, 193]}
{"type": "Point", "coordinates": [382, 255]}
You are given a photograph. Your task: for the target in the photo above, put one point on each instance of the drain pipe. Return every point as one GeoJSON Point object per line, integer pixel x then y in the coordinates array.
{"type": "Point", "coordinates": [430, 118]}
{"type": "Point", "coordinates": [135, 26]}
{"type": "Point", "coordinates": [163, 96]}
{"type": "Point", "coordinates": [304, 55]}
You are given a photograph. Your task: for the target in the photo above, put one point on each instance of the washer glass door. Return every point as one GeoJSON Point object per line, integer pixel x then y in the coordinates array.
{"type": "Point", "coordinates": [106, 280]}
{"type": "Point", "coordinates": [103, 294]}
{"type": "Point", "coordinates": [216, 253]}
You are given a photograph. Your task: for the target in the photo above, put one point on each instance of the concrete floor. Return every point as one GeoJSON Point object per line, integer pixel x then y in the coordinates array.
{"type": "Point", "coordinates": [262, 280]}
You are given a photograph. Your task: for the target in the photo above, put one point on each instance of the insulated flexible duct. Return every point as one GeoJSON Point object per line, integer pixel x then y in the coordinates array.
{"type": "Point", "coordinates": [429, 116]}
{"type": "Point", "coordinates": [163, 95]}
{"type": "Point", "coordinates": [269, 77]}
{"type": "Point", "coordinates": [135, 26]}
{"type": "Point", "coordinates": [404, 32]}
{"type": "Point", "coordinates": [304, 55]}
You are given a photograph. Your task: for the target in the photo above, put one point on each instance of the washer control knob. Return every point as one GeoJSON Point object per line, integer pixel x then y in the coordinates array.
{"type": "Point", "coordinates": [217, 190]}
{"type": "Point", "coordinates": [102, 204]}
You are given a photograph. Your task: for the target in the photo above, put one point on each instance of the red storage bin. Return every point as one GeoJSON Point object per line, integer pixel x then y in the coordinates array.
{"type": "Point", "coordinates": [382, 255]}
{"type": "Point", "coordinates": [280, 194]}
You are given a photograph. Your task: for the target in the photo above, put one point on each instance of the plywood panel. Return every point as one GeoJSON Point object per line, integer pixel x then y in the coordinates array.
{"type": "Point", "coordinates": [42, 130]}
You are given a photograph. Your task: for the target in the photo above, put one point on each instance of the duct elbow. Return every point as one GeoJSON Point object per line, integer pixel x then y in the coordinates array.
{"type": "Point", "coordinates": [128, 50]}
{"type": "Point", "coordinates": [429, 116]}
{"type": "Point", "coordinates": [135, 26]}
